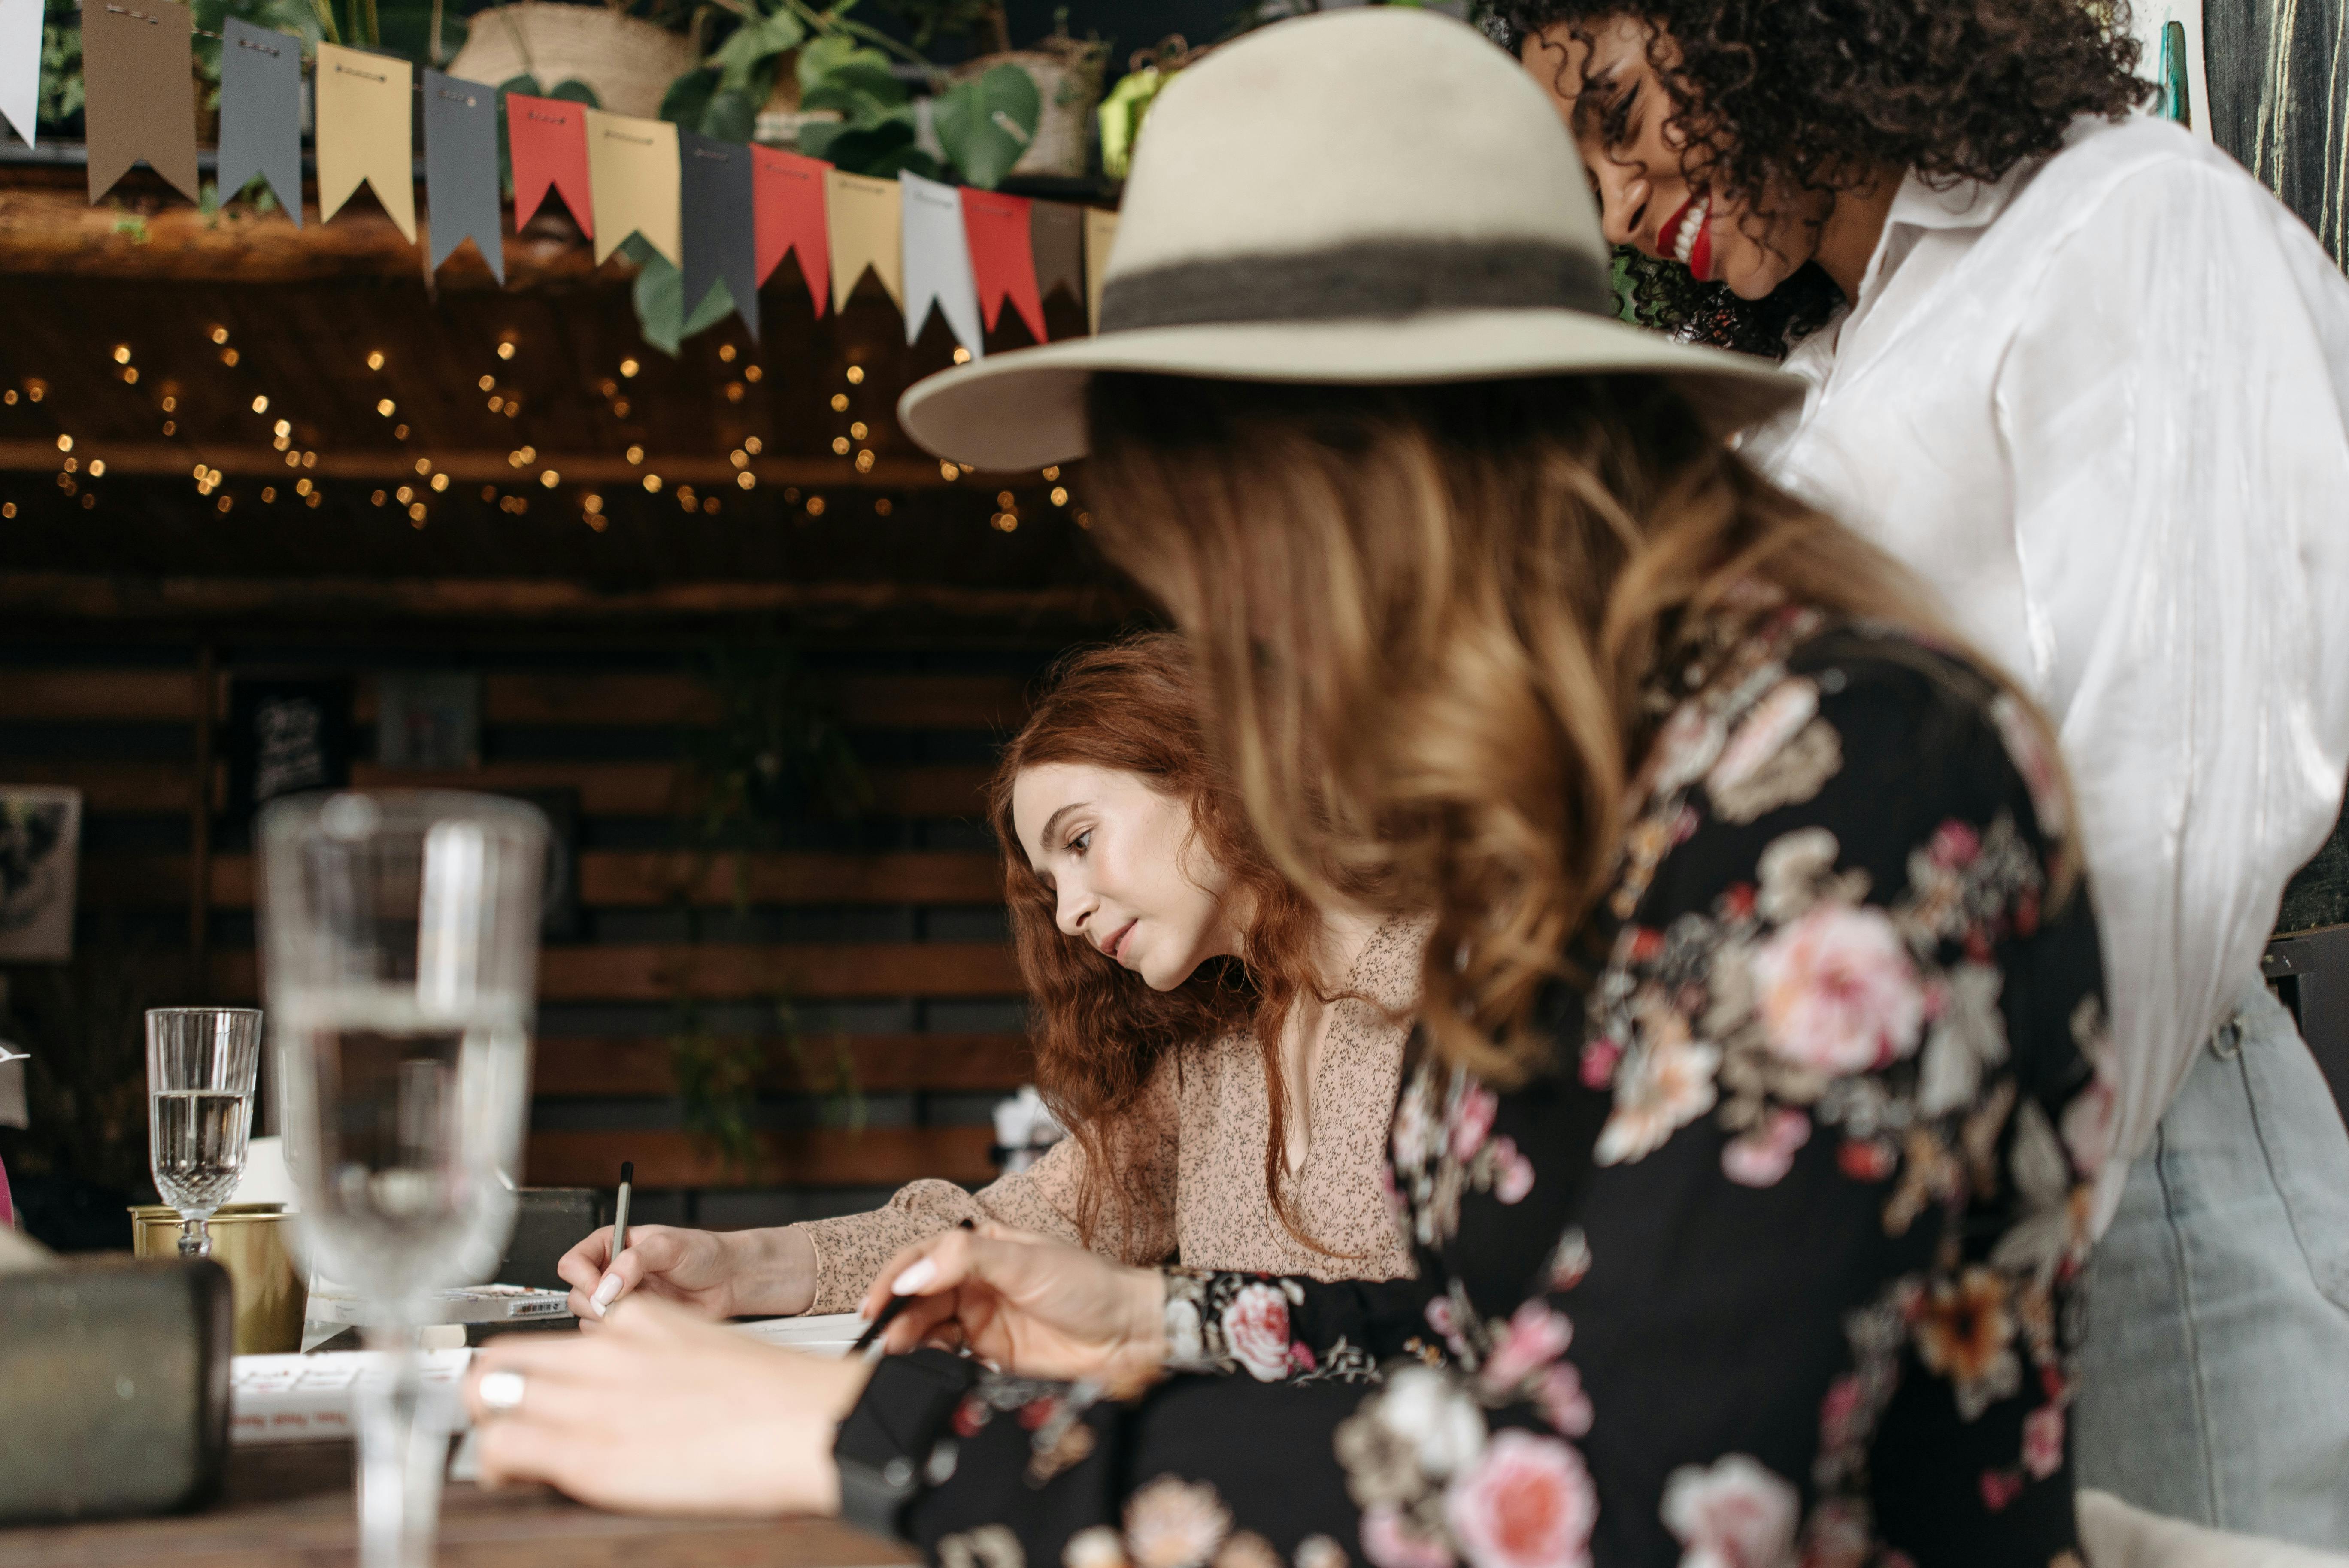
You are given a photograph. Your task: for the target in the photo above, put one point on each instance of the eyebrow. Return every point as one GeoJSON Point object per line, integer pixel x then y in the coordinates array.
{"type": "Point", "coordinates": [1044, 834]}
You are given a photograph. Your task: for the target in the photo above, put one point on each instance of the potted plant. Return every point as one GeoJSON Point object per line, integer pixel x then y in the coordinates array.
{"type": "Point", "coordinates": [625, 60]}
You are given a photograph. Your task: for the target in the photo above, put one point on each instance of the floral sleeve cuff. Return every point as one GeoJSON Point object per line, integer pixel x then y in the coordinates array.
{"type": "Point", "coordinates": [1232, 1322]}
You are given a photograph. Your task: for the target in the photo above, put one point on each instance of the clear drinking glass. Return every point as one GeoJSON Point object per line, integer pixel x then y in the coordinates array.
{"type": "Point", "coordinates": [400, 939]}
{"type": "Point", "coordinates": [201, 1066]}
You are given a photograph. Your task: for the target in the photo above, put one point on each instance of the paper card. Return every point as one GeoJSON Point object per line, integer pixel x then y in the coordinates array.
{"type": "Point", "coordinates": [1101, 233]}
{"type": "Point", "coordinates": [865, 224]}
{"type": "Point", "coordinates": [1056, 240]}
{"type": "Point", "coordinates": [547, 139]}
{"type": "Point", "coordinates": [261, 113]}
{"type": "Point", "coordinates": [20, 65]}
{"type": "Point", "coordinates": [789, 202]}
{"type": "Point", "coordinates": [139, 87]}
{"type": "Point", "coordinates": [40, 845]}
{"type": "Point", "coordinates": [632, 178]}
{"type": "Point", "coordinates": [366, 132]}
{"type": "Point", "coordinates": [460, 169]}
{"type": "Point", "coordinates": [718, 197]}
{"type": "Point", "coordinates": [937, 263]}
{"type": "Point", "coordinates": [1003, 257]}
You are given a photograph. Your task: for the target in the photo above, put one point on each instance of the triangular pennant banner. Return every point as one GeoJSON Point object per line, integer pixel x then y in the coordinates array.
{"type": "Point", "coordinates": [138, 92]}
{"type": "Point", "coordinates": [20, 65]}
{"type": "Point", "coordinates": [937, 263]}
{"type": "Point", "coordinates": [1101, 233]}
{"type": "Point", "coordinates": [790, 204]}
{"type": "Point", "coordinates": [1002, 258]}
{"type": "Point", "coordinates": [365, 119]}
{"type": "Point", "coordinates": [632, 178]}
{"type": "Point", "coordinates": [866, 223]}
{"type": "Point", "coordinates": [1056, 237]}
{"type": "Point", "coordinates": [460, 169]}
{"type": "Point", "coordinates": [548, 140]}
{"type": "Point", "coordinates": [261, 113]}
{"type": "Point", "coordinates": [716, 195]}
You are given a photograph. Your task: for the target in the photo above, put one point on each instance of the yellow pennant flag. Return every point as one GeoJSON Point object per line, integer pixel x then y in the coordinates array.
{"type": "Point", "coordinates": [867, 231]}
{"type": "Point", "coordinates": [632, 178]}
{"type": "Point", "coordinates": [1100, 232]}
{"type": "Point", "coordinates": [364, 107]}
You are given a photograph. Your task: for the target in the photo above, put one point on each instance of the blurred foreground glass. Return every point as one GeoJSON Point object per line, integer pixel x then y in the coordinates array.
{"type": "Point", "coordinates": [201, 1063]}
{"type": "Point", "coordinates": [400, 939]}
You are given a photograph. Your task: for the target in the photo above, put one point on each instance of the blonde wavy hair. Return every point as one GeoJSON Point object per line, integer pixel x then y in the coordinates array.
{"type": "Point", "coordinates": [1426, 615]}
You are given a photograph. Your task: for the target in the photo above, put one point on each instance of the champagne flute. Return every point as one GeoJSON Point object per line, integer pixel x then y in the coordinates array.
{"type": "Point", "coordinates": [401, 933]}
{"type": "Point", "coordinates": [201, 1063]}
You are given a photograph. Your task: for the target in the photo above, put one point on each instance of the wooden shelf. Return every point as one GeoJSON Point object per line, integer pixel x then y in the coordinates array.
{"type": "Point", "coordinates": [714, 972]}
{"type": "Point", "coordinates": [640, 1067]}
{"type": "Point", "coordinates": [816, 1157]}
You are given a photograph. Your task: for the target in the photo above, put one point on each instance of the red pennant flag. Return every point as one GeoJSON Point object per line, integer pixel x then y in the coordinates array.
{"type": "Point", "coordinates": [1002, 257]}
{"type": "Point", "coordinates": [548, 137]}
{"type": "Point", "coordinates": [788, 205]}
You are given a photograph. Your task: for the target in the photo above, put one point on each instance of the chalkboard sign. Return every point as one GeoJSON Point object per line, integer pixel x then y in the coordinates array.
{"type": "Point", "coordinates": [286, 737]}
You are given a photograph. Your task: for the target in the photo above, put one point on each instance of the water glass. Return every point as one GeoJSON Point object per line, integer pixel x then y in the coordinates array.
{"type": "Point", "coordinates": [201, 1063]}
{"type": "Point", "coordinates": [400, 944]}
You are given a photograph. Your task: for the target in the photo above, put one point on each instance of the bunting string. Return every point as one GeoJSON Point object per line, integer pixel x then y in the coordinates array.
{"type": "Point", "coordinates": [722, 213]}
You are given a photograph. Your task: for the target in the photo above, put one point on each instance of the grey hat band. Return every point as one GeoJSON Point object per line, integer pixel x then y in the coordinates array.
{"type": "Point", "coordinates": [1365, 279]}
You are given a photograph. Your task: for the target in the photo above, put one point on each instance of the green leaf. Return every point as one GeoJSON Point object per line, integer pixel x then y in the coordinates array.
{"type": "Point", "coordinates": [877, 149]}
{"type": "Point", "coordinates": [659, 297]}
{"type": "Point", "coordinates": [839, 66]}
{"type": "Point", "coordinates": [986, 124]}
{"type": "Point", "coordinates": [571, 89]}
{"type": "Point", "coordinates": [752, 44]}
{"type": "Point", "coordinates": [816, 137]}
{"type": "Point", "coordinates": [688, 98]}
{"type": "Point", "coordinates": [731, 116]}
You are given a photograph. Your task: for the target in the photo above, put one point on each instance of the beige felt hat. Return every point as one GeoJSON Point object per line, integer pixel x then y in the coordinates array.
{"type": "Point", "coordinates": [1373, 195]}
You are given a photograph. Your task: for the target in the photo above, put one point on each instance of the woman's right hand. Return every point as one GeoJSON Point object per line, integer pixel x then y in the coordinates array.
{"type": "Point", "coordinates": [716, 1274]}
{"type": "Point", "coordinates": [1027, 1305]}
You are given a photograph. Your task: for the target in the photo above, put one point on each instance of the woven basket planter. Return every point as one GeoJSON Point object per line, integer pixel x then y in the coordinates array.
{"type": "Point", "coordinates": [627, 60]}
{"type": "Point", "coordinates": [1068, 76]}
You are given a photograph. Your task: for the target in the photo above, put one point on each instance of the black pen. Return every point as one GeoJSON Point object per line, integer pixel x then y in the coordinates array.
{"type": "Point", "coordinates": [868, 1344]}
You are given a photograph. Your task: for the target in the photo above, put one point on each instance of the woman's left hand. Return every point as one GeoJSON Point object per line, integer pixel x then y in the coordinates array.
{"type": "Point", "coordinates": [665, 1412]}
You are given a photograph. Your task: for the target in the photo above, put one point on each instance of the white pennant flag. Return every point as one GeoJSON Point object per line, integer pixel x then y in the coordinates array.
{"type": "Point", "coordinates": [937, 261]}
{"type": "Point", "coordinates": [20, 65]}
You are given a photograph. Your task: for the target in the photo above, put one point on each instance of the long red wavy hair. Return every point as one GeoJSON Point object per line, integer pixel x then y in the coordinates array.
{"type": "Point", "coordinates": [1137, 706]}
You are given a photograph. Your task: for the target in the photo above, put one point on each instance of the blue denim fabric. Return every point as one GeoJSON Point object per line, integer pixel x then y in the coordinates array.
{"type": "Point", "coordinates": [2215, 1375]}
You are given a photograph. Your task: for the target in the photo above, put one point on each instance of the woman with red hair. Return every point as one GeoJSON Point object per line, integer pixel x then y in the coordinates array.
{"type": "Point", "coordinates": [1225, 1052]}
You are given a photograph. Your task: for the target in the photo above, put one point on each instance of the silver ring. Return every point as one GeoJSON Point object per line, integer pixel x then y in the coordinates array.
{"type": "Point", "coordinates": [502, 1392]}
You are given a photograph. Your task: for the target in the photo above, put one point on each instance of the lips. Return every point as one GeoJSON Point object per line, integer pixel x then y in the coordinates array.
{"type": "Point", "coordinates": [1115, 945]}
{"type": "Point", "coordinates": [1687, 237]}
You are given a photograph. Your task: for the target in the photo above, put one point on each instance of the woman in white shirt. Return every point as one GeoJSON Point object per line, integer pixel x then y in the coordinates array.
{"type": "Point", "coordinates": [2088, 378]}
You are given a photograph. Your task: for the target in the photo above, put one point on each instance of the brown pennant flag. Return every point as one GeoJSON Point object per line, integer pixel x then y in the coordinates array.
{"type": "Point", "coordinates": [867, 231]}
{"type": "Point", "coordinates": [366, 106]}
{"type": "Point", "coordinates": [139, 89]}
{"type": "Point", "coordinates": [1056, 234]}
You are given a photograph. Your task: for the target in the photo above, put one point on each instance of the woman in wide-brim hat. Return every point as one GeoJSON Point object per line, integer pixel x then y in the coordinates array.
{"type": "Point", "coordinates": [1742, 1159]}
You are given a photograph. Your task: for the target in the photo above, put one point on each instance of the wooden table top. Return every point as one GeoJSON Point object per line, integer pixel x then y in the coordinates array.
{"type": "Point", "coordinates": [291, 1507]}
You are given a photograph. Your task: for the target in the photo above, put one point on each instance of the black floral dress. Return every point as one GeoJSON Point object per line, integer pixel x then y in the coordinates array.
{"type": "Point", "coordinates": [1776, 1263]}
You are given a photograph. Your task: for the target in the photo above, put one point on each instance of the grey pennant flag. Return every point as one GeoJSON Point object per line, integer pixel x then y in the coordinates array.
{"type": "Point", "coordinates": [460, 169]}
{"type": "Point", "coordinates": [720, 235]}
{"type": "Point", "coordinates": [261, 113]}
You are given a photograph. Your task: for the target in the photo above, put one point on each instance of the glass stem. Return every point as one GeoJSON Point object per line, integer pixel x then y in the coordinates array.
{"type": "Point", "coordinates": [195, 1236]}
{"type": "Point", "coordinates": [402, 1456]}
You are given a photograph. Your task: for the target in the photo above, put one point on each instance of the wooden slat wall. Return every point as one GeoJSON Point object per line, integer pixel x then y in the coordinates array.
{"type": "Point", "coordinates": [65, 723]}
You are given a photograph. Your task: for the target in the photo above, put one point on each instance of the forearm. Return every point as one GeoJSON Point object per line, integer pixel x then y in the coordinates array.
{"type": "Point", "coordinates": [773, 1271]}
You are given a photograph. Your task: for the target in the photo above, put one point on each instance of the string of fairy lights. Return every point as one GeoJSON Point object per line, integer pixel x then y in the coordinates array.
{"type": "Point", "coordinates": [429, 484]}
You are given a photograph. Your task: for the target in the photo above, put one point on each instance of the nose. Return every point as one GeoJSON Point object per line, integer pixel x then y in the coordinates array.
{"type": "Point", "coordinates": [1624, 193]}
{"type": "Point", "coordinates": [1075, 906]}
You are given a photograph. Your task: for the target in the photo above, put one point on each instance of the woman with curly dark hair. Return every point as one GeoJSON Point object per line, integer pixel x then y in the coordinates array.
{"type": "Point", "coordinates": [2088, 378]}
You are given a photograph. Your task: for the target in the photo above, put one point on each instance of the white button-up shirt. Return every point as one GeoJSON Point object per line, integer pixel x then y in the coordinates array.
{"type": "Point", "coordinates": [2103, 407]}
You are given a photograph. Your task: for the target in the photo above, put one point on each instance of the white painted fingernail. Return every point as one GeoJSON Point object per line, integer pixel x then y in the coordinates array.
{"type": "Point", "coordinates": [919, 1275]}
{"type": "Point", "coordinates": [605, 1289]}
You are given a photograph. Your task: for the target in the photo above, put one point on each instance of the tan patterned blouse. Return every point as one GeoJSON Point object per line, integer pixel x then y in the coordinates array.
{"type": "Point", "coordinates": [1198, 1193]}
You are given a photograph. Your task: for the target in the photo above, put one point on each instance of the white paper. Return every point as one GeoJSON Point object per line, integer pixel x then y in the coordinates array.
{"type": "Point", "coordinates": [20, 65]}
{"type": "Point", "coordinates": [314, 1398]}
{"type": "Point", "coordinates": [937, 261]}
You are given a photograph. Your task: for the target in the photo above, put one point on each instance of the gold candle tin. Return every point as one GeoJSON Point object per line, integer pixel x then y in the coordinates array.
{"type": "Point", "coordinates": [249, 1239]}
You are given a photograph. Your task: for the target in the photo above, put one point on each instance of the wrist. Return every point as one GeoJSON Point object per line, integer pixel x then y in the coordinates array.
{"type": "Point", "coordinates": [1144, 1356]}
{"type": "Point", "coordinates": [769, 1271]}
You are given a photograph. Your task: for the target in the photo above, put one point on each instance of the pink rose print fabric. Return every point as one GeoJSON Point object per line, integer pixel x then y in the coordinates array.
{"type": "Point", "coordinates": [1772, 1261]}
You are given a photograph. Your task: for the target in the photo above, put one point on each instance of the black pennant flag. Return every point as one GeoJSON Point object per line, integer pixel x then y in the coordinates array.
{"type": "Point", "coordinates": [261, 113]}
{"type": "Point", "coordinates": [460, 169]}
{"type": "Point", "coordinates": [720, 235]}
{"type": "Point", "coordinates": [139, 87]}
